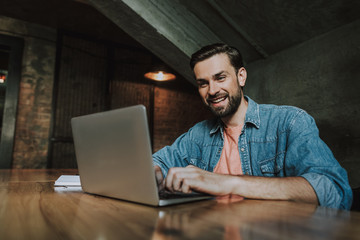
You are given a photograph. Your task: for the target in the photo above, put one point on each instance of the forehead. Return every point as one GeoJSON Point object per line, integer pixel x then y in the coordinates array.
{"type": "Point", "coordinates": [211, 66]}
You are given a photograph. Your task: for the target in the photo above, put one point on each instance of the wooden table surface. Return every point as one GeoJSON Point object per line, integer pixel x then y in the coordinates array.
{"type": "Point", "coordinates": [30, 208]}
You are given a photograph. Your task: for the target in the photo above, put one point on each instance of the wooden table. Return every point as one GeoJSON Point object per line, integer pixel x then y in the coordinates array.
{"type": "Point", "coordinates": [30, 208]}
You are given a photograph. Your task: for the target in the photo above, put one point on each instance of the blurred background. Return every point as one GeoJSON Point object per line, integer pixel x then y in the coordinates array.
{"type": "Point", "coordinates": [61, 59]}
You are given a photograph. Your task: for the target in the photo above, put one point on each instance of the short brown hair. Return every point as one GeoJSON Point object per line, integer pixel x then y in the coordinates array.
{"type": "Point", "coordinates": [217, 48]}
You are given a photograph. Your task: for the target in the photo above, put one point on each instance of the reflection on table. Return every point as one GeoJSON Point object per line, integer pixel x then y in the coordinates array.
{"type": "Point", "coordinates": [30, 208]}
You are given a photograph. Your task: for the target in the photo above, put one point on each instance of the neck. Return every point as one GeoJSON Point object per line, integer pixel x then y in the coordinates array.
{"type": "Point", "coordinates": [238, 118]}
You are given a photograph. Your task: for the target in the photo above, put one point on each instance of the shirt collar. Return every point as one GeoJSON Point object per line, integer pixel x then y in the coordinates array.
{"type": "Point", "coordinates": [252, 116]}
{"type": "Point", "coordinates": [252, 113]}
{"type": "Point", "coordinates": [217, 126]}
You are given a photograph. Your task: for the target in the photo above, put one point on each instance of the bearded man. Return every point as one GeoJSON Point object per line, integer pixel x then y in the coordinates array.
{"type": "Point", "coordinates": [252, 150]}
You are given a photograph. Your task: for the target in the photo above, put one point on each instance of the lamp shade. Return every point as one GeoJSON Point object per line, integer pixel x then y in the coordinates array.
{"type": "Point", "coordinates": [160, 76]}
{"type": "Point", "coordinates": [160, 73]}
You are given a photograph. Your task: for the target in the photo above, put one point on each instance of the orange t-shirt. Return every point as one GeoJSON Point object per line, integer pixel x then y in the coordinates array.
{"type": "Point", "coordinates": [229, 162]}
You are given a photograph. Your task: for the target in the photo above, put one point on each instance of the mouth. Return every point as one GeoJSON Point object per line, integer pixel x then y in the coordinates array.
{"type": "Point", "coordinates": [217, 100]}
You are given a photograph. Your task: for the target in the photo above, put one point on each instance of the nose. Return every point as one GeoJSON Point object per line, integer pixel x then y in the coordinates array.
{"type": "Point", "coordinates": [213, 88]}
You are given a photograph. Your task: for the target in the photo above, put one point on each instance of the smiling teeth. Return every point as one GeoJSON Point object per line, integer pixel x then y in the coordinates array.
{"type": "Point", "coordinates": [218, 100]}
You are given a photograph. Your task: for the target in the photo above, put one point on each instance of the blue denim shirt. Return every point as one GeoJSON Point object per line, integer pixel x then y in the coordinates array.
{"type": "Point", "coordinates": [276, 141]}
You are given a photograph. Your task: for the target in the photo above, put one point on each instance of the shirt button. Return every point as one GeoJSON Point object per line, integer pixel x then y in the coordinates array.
{"type": "Point", "coordinates": [242, 149]}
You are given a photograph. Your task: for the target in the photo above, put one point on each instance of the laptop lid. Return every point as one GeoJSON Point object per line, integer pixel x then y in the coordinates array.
{"type": "Point", "coordinates": [114, 156]}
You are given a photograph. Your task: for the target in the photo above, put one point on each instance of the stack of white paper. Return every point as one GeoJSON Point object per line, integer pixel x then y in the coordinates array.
{"type": "Point", "coordinates": [68, 183]}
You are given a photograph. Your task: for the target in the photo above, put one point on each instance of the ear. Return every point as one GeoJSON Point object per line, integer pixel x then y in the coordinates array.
{"type": "Point", "coordinates": [242, 74]}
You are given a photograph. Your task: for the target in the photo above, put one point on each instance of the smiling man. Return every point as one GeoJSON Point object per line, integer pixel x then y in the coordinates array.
{"type": "Point", "coordinates": [252, 150]}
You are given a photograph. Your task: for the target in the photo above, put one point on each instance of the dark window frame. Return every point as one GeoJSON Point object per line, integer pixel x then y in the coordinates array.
{"type": "Point", "coordinates": [16, 46]}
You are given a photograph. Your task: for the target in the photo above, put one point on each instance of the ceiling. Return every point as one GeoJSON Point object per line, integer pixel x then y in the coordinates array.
{"type": "Point", "coordinates": [173, 29]}
{"type": "Point", "coordinates": [72, 15]}
{"type": "Point", "coordinates": [272, 25]}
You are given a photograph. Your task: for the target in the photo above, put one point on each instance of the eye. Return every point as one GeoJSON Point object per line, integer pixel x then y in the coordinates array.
{"type": "Point", "coordinates": [220, 77]}
{"type": "Point", "coordinates": [202, 84]}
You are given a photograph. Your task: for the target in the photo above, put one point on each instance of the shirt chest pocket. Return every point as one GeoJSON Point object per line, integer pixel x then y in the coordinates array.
{"type": "Point", "coordinates": [272, 167]}
{"type": "Point", "coordinates": [268, 156]}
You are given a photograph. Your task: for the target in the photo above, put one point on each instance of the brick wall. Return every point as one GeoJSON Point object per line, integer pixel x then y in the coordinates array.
{"type": "Point", "coordinates": [174, 113]}
{"type": "Point", "coordinates": [177, 105]}
{"type": "Point", "coordinates": [35, 91]}
{"type": "Point", "coordinates": [34, 106]}
{"type": "Point", "coordinates": [175, 110]}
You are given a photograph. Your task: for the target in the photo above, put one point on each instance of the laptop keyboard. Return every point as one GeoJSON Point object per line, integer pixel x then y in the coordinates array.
{"type": "Point", "coordinates": [173, 195]}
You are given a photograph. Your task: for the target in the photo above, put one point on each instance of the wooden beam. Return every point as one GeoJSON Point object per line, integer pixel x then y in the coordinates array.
{"type": "Point", "coordinates": [165, 27]}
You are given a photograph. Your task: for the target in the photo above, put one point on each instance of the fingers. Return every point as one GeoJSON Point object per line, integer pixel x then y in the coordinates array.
{"type": "Point", "coordinates": [169, 179]}
{"type": "Point", "coordinates": [159, 177]}
{"type": "Point", "coordinates": [181, 183]}
{"type": "Point", "coordinates": [185, 186]}
{"type": "Point", "coordinates": [180, 179]}
{"type": "Point", "coordinates": [192, 178]}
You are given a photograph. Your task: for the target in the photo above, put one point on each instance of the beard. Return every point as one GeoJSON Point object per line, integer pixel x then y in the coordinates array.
{"type": "Point", "coordinates": [230, 108]}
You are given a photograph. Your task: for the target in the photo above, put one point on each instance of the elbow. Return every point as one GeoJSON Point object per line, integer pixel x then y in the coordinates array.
{"type": "Point", "coordinates": [329, 193]}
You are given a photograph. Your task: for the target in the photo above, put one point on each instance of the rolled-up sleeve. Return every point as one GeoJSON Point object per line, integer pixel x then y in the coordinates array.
{"type": "Point", "coordinates": [172, 156]}
{"type": "Point", "coordinates": [309, 157]}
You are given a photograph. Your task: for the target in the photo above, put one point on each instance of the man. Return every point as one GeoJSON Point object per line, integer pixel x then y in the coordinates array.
{"type": "Point", "coordinates": [249, 149]}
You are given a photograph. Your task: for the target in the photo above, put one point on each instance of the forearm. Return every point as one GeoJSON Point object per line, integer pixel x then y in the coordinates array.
{"type": "Point", "coordinates": [288, 188]}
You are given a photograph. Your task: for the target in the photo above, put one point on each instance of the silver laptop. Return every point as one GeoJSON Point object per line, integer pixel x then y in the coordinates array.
{"type": "Point", "coordinates": [114, 156]}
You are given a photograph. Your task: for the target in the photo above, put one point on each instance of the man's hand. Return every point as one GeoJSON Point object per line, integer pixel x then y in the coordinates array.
{"type": "Point", "coordinates": [159, 177]}
{"type": "Point", "coordinates": [193, 178]}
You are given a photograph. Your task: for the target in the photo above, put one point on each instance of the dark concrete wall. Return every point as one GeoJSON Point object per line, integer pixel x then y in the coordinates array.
{"type": "Point", "coordinates": [321, 76]}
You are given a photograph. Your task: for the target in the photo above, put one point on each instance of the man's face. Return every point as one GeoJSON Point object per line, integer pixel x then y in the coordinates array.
{"type": "Point", "coordinates": [219, 85]}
